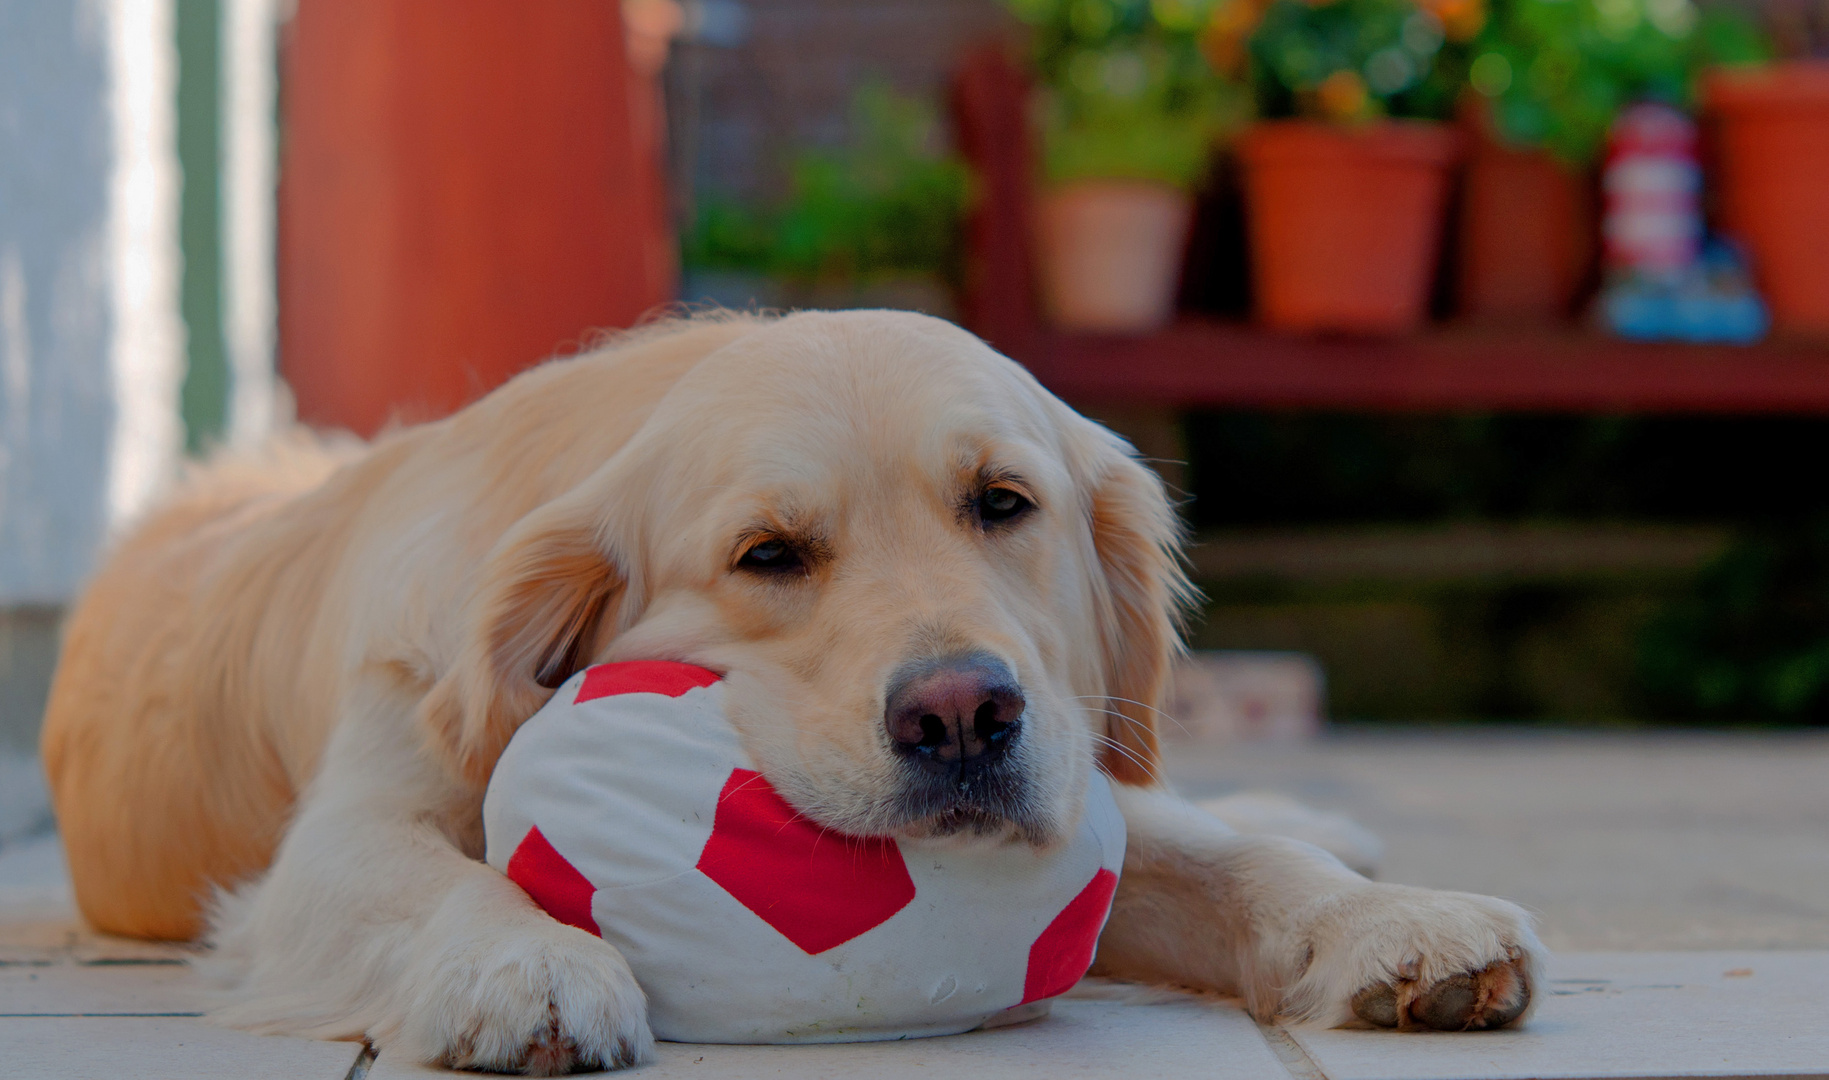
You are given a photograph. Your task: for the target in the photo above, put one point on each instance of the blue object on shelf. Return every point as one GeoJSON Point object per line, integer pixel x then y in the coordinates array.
{"type": "Point", "coordinates": [1711, 301]}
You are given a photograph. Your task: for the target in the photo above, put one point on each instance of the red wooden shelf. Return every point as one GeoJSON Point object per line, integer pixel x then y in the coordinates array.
{"type": "Point", "coordinates": [1211, 364]}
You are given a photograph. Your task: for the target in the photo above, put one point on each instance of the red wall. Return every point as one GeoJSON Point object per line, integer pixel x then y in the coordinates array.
{"type": "Point", "coordinates": [467, 186]}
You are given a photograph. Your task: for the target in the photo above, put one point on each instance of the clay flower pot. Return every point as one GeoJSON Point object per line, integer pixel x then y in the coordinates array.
{"type": "Point", "coordinates": [1109, 254]}
{"type": "Point", "coordinates": [1773, 132]}
{"type": "Point", "coordinates": [1345, 222]}
{"type": "Point", "coordinates": [1527, 233]}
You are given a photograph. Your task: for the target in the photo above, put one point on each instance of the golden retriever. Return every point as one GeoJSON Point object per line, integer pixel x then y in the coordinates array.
{"type": "Point", "coordinates": [287, 688]}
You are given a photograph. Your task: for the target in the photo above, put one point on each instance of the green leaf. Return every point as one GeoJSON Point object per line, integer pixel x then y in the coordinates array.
{"type": "Point", "coordinates": [1587, 59]}
{"type": "Point", "coordinates": [886, 204]}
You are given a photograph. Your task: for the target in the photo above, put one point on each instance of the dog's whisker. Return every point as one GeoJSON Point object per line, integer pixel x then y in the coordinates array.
{"type": "Point", "coordinates": [1133, 720]}
{"type": "Point", "coordinates": [1148, 767]}
{"type": "Point", "coordinates": [1121, 700]}
{"type": "Point", "coordinates": [1128, 701]}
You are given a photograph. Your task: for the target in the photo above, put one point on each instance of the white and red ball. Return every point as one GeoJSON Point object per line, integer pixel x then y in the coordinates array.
{"type": "Point", "coordinates": [627, 807]}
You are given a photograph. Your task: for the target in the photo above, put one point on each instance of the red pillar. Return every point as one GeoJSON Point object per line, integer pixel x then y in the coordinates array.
{"type": "Point", "coordinates": [991, 112]}
{"type": "Point", "coordinates": [467, 187]}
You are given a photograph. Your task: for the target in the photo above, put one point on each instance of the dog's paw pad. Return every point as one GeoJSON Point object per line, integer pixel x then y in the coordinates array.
{"type": "Point", "coordinates": [557, 1057]}
{"type": "Point", "coordinates": [1493, 998]}
{"type": "Point", "coordinates": [1377, 1005]}
{"type": "Point", "coordinates": [554, 1053]}
{"type": "Point", "coordinates": [1473, 1001]}
{"type": "Point", "coordinates": [1449, 1005]}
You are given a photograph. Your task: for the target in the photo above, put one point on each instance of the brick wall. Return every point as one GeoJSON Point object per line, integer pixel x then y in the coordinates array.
{"type": "Point", "coordinates": [739, 110]}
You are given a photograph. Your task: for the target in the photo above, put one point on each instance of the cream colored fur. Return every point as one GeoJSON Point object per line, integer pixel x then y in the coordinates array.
{"type": "Point", "coordinates": [292, 682]}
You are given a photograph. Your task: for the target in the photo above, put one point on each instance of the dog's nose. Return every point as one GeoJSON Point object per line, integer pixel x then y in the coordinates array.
{"type": "Point", "coordinates": [958, 713]}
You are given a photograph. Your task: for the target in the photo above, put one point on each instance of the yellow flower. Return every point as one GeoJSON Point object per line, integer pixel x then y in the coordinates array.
{"type": "Point", "coordinates": [1342, 97]}
{"type": "Point", "coordinates": [1227, 35]}
{"type": "Point", "coordinates": [1461, 19]}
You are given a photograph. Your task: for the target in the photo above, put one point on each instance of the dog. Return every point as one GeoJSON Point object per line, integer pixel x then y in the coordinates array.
{"type": "Point", "coordinates": [939, 597]}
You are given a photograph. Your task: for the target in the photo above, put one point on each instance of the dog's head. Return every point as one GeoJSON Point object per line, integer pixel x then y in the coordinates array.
{"type": "Point", "coordinates": [937, 594]}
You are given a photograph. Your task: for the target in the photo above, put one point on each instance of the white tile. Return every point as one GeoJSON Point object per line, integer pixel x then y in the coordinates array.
{"type": "Point", "coordinates": [93, 948]}
{"type": "Point", "coordinates": [35, 861]}
{"type": "Point", "coordinates": [1701, 1014]}
{"type": "Point", "coordinates": [122, 1048]}
{"type": "Point", "coordinates": [27, 939]}
{"type": "Point", "coordinates": [1225, 696]}
{"type": "Point", "coordinates": [102, 989]}
{"type": "Point", "coordinates": [63, 938]}
{"type": "Point", "coordinates": [1618, 841]}
{"type": "Point", "coordinates": [1189, 1038]}
{"type": "Point", "coordinates": [33, 876]}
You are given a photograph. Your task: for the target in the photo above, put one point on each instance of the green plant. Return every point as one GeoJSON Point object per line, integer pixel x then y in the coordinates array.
{"type": "Point", "coordinates": [1557, 71]}
{"type": "Point", "coordinates": [887, 204]}
{"type": "Point", "coordinates": [728, 235]}
{"type": "Point", "coordinates": [1354, 60]}
{"type": "Point", "coordinates": [1126, 90]}
{"type": "Point", "coordinates": [1752, 640]}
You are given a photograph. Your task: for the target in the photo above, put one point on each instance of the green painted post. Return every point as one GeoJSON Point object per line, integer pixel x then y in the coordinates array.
{"type": "Point", "coordinates": [206, 380]}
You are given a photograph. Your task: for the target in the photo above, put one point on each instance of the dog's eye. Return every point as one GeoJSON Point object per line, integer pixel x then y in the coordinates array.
{"type": "Point", "coordinates": [999, 504]}
{"type": "Point", "coordinates": [771, 555]}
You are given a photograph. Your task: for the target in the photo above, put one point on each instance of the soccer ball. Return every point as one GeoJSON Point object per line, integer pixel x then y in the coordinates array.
{"type": "Point", "coordinates": [628, 808]}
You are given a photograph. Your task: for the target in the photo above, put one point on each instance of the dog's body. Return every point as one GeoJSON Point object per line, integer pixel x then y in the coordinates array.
{"type": "Point", "coordinates": [941, 595]}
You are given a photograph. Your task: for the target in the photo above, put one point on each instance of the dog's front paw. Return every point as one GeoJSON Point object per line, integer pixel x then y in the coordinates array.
{"type": "Point", "coordinates": [1492, 997]}
{"type": "Point", "coordinates": [540, 999]}
{"type": "Point", "coordinates": [1416, 958]}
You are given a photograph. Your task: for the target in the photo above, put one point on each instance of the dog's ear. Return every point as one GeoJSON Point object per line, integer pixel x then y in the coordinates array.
{"type": "Point", "coordinates": [1137, 537]}
{"type": "Point", "coordinates": [548, 599]}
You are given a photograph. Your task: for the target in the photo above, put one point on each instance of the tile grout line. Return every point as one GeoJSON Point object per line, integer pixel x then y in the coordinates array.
{"type": "Point", "coordinates": [1294, 1059]}
{"type": "Point", "coordinates": [102, 1016]}
{"type": "Point", "coordinates": [358, 1069]}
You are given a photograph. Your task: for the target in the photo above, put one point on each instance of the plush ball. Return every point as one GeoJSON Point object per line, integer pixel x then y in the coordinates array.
{"type": "Point", "coordinates": [628, 808]}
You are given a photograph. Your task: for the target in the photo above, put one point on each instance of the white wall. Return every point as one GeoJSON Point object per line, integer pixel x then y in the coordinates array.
{"type": "Point", "coordinates": [91, 342]}
{"type": "Point", "coordinates": [249, 178]}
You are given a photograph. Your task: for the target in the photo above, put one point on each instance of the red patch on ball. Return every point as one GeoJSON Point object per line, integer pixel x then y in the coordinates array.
{"type": "Point", "coordinates": [642, 677]}
{"type": "Point", "coordinates": [555, 884]}
{"type": "Point", "coordinates": [819, 888]}
{"type": "Point", "coordinates": [1063, 952]}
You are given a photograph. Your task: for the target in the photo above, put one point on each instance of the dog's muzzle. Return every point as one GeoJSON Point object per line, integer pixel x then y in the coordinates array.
{"type": "Point", "coordinates": [956, 724]}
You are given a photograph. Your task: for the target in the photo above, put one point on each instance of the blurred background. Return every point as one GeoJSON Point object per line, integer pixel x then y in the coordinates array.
{"type": "Point", "coordinates": [1486, 342]}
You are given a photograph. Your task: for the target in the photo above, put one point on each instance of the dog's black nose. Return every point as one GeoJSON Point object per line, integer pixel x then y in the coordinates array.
{"type": "Point", "coordinates": [958, 714]}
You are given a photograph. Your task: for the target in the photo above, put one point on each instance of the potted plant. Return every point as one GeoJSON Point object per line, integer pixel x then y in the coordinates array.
{"type": "Point", "coordinates": [1773, 128]}
{"type": "Point", "coordinates": [1548, 77]}
{"type": "Point", "coordinates": [1347, 177]}
{"type": "Point", "coordinates": [874, 223]}
{"type": "Point", "coordinates": [1130, 110]}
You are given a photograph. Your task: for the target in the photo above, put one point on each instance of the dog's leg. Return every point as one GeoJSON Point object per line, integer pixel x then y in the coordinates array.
{"type": "Point", "coordinates": [375, 922]}
{"type": "Point", "coordinates": [1298, 935]}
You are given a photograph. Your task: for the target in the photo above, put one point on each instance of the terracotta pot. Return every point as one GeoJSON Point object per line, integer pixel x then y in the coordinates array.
{"type": "Point", "coordinates": [468, 187]}
{"type": "Point", "coordinates": [1526, 233]}
{"type": "Point", "coordinates": [1773, 131]}
{"type": "Point", "coordinates": [1110, 254]}
{"type": "Point", "coordinates": [1345, 223]}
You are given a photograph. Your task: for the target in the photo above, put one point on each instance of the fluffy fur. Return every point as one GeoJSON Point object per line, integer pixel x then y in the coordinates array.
{"type": "Point", "coordinates": [292, 683]}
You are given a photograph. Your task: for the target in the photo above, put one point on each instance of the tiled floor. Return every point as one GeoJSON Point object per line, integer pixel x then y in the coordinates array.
{"type": "Point", "coordinates": [1082, 1040]}
{"type": "Point", "coordinates": [1617, 841]}
{"type": "Point", "coordinates": [1624, 1014]}
{"type": "Point", "coordinates": [77, 1005]}
{"type": "Point", "coordinates": [1622, 842]}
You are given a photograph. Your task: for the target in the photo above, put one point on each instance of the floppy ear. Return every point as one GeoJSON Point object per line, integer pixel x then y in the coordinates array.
{"type": "Point", "coordinates": [1137, 537]}
{"type": "Point", "coordinates": [548, 599]}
